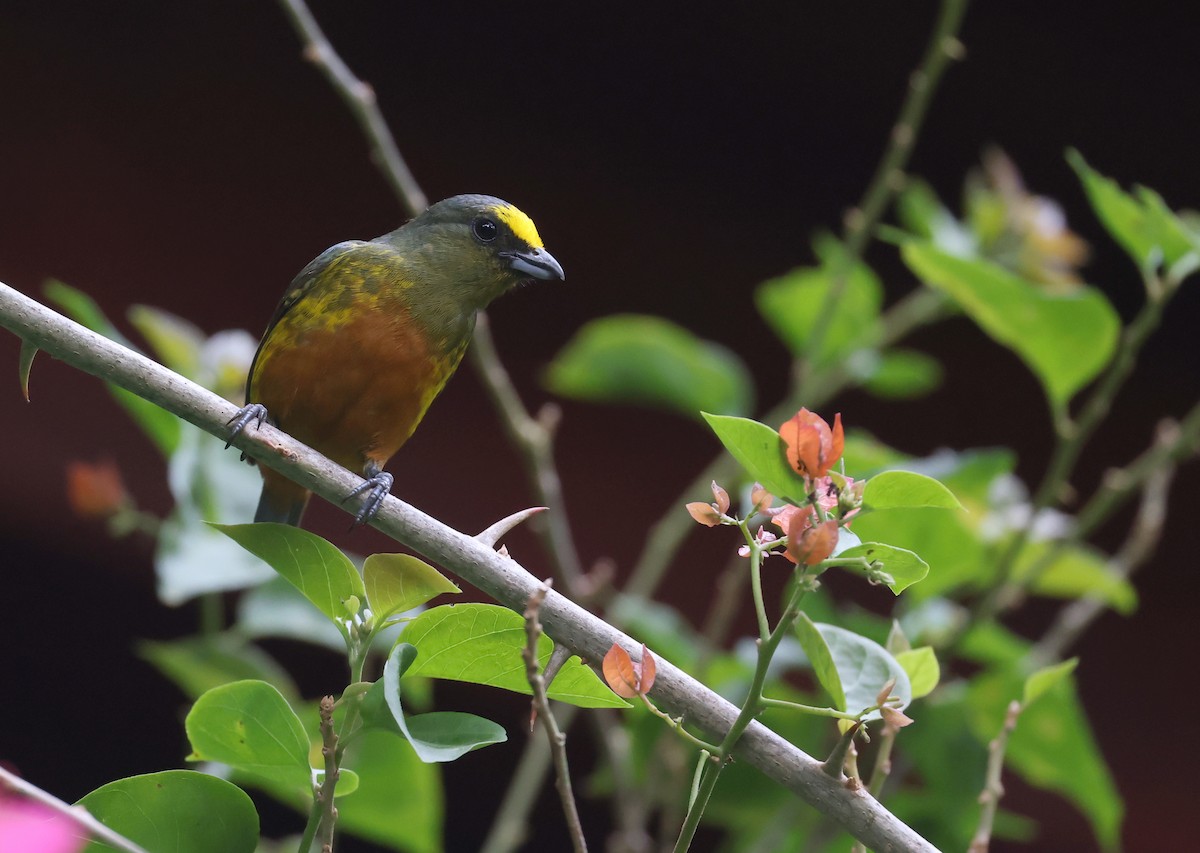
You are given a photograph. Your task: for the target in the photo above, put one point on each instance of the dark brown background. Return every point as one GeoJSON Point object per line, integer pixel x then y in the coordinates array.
{"type": "Point", "coordinates": [182, 155]}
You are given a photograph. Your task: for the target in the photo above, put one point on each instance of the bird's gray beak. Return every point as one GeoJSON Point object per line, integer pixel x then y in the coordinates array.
{"type": "Point", "coordinates": [535, 263]}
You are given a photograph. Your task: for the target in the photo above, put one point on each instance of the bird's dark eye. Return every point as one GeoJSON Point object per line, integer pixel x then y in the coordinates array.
{"type": "Point", "coordinates": [485, 229]}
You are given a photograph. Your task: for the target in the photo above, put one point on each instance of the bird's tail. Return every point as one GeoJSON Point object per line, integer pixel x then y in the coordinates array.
{"type": "Point", "coordinates": [282, 500]}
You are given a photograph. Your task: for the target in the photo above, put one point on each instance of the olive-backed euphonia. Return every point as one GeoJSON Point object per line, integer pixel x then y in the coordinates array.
{"type": "Point", "coordinates": [368, 333]}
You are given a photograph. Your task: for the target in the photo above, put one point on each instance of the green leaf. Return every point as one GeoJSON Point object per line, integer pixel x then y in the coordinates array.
{"type": "Point", "coordinates": [792, 305]}
{"type": "Point", "coordinates": [632, 358]}
{"type": "Point", "coordinates": [903, 374]}
{"type": "Point", "coordinates": [922, 668]}
{"type": "Point", "coordinates": [1065, 339]}
{"type": "Point", "coordinates": [160, 425]}
{"type": "Point", "coordinates": [198, 664]}
{"type": "Point", "coordinates": [1052, 748]}
{"type": "Point", "coordinates": [817, 651]}
{"type": "Point", "coordinates": [1143, 226]}
{"type": "Point", "coordinates": [1075, 571]}
{"type": "Point", "coordinates": [482, 643]}
{"type": "Point", "coordinates": [399, 582]}
{"type": "Point", "coordinates": [250, 726]}
{"type": "Point", "coordinates": [1045, 678]}
{"type": "Point", "coordinates": [862, 666]}
{"type": "Point", "coordinates": [904, 567]}
{"type": "Point", "coordinates": [176, 811]}
{"type": "Point", "coordinates": [437, 737]}
{"type": "Point", "coordinates": [761, 451]}
{"type": "Point", "coordinates": [399, 800]}
{"type": "Point", "coordinates": [320, 571]}
{"type": "Point", "coordinates": [906, 490]}
{"type": "Point", "coordinates": [175, 341]}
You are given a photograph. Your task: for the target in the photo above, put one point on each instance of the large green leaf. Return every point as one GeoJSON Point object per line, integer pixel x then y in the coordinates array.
{"type": "Point", "coordinates": [398, 582]}
{"type": "Point", "coordinates": [482, 643]}
{"type": "Point", "coordinates": [633, 358]}
{"type": "Point", "coordinates": [922, 668]}
{"type": "Point", "coordinates": [1065, 339]}
{"type": "Point", "coordinates": [250, 726]}
{"type": "Point", "coordinates": [437, 737]}
{"type": "Point", "coordinates": [761, 451]}
{"type": "Point", "coordinates": [861, 667]}
{"type": "Point", "coordinates": [792, 305]}
{"type": "Point", "coordinates": [1044, 679]}
{"type": "Point", "coordinates": [1143, 226]}
{"type": "Point", "coordinates": [907, 490]}
{"type": "Point", "coordinates": [821, 659]}
{"type": "Point", "coordinates": [320, 571]}
{"type": "Point", "coordinates": [1074, 571]}
{"type": "Point", "coordinates": [903, 374]}
{"type": "Point", "coordinates": [1052, 747]}
{"type": "Point", "coordinates": [176, 811]}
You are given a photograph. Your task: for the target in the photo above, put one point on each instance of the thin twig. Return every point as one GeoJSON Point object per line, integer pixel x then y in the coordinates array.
{"type": "Point", "coordinates": [534, 437]}
{"type": "Point", "coordinates": [501, 578]}
{"type": "Point", "coordinates": [509, 829]}
{"type": "Point", "coordinates": [943, 47]}
{"type": "Point", "coordinates": [1072, 437]}
{"type": "Point", "coordinates": [77, 815]}
{"type": "Point", "coordinates": [1174, 444]}
{"type": "Point", "coordinates": [541, 711]}
{"type": "Point", "coordinates": [359, 97]}
{"type": "Point", "coordinates": [325, 793]}
{"type": "Point", "coordinates": [1075, 618]}
{"type": "Point", "coordinates": [993, 789]}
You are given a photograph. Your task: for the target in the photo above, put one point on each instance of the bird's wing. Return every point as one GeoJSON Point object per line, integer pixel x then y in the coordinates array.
{"type": "Point", "coordinates": [301, 285]}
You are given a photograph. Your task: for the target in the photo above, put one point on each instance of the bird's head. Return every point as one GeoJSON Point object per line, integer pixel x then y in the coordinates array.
{"type": "Point", "coordinates": [481, 245]}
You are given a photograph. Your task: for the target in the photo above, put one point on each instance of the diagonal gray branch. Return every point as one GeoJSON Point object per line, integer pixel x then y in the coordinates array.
{"type": "Point", "coordinates": [502, 578]}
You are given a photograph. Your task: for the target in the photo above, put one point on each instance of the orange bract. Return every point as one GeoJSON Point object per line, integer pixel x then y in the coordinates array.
{"type": "Point", "coordinates": [814, 544]}
{"type": "Point", "coordinates": [812, 446]}
{"type": "Point", "coordinates": [95, 491]}
{"type": "Point", "coordinates": [628, 678]}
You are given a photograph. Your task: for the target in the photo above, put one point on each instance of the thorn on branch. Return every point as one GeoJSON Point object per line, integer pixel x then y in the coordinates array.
{"type": "Point", "coordinates": [492, 534]}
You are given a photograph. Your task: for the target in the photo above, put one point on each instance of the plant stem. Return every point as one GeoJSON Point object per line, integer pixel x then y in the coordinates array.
{"type": "Point", "coordinates": [750, 709]}
{"type": "Point", "coordinates": [1139, 546]}
{"type": "Point", "coordinates": [888, 179]}
{"type": "Point", "coordinates": [816, 710]}
{"type": "Point", "coordinates": [324, 798]}
{"type": "Point", "coordinates": [360, 99]}
{"type": "Point", "coordinates": [993, 790]}
{"type": "Point", "coordinates": [1072, 436]}
{"type": "Point", "coordinates": [541, 710]}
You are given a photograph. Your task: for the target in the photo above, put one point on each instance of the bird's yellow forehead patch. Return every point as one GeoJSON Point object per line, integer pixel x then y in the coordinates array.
{"type": "Point", "coordinates": [522, 226]}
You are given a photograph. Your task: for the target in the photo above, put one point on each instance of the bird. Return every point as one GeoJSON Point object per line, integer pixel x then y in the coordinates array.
{"type": "Point", "coordinates": [368, 334]}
